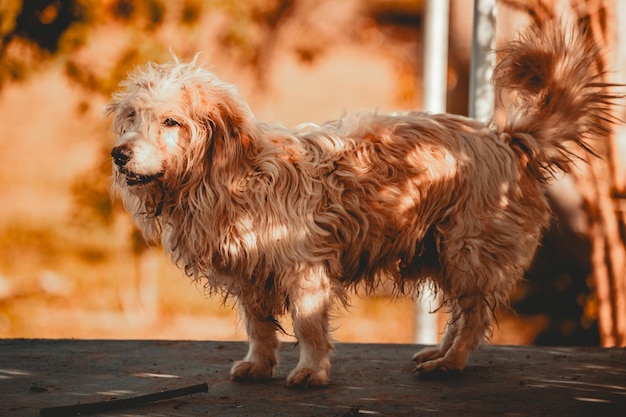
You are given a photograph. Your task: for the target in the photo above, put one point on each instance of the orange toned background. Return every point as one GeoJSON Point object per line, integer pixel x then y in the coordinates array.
{"type": "Point", "coordinates": [70, 265]}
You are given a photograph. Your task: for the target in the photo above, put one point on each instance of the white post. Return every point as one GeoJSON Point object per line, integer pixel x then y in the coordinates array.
{"type": "Point", "coordinates": [482, 96]}
{"type": "Point", "coordinates": [436, 18]}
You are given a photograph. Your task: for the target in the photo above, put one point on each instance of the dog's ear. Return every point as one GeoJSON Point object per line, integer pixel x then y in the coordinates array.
{"type": "Point", "coordinates": [112, 108]}
{"type": "Point", "coordinates": [229, 127]}
{"type": "Point", "coordinates": [232, 136]}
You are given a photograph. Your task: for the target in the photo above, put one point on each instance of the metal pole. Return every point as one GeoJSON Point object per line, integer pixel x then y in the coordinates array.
{"type": "Point", "coordinates": [436, 18]}
{"type": "Point", "coordinates": [482, 96]}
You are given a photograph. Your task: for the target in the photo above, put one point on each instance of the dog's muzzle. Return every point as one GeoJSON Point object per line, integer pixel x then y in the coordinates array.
{"type": "Point", "coordinates": [121, 155]}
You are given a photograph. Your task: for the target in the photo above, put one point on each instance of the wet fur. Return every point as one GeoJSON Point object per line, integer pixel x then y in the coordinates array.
{"type": "Point", "coordinates": [289, 220]}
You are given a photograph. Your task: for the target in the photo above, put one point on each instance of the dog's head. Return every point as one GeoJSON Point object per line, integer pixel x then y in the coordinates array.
{"type": "Point", "coordinates": [173, 123]}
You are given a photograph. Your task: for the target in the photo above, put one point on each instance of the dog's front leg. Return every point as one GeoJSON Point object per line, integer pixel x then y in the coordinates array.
{"type": "Point", "coordinates": [309, 302]}
{"type": "Point", "coordinates": [261, 359]}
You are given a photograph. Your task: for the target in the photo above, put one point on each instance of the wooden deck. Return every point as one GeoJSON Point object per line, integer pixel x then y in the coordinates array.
{"type": "Point", "coordinates": [367, 379]}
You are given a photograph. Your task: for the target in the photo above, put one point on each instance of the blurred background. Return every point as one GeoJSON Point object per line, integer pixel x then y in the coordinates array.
{"type": "Point", "coordinates": [73, 266]}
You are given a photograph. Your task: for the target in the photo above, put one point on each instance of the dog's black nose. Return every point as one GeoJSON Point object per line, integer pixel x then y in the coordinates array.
{"type": "Point", "coordinates": [121, 155]}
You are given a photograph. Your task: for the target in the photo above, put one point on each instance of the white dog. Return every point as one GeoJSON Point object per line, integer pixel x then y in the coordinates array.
{"type": "Point", "coordinates": [290, 220]}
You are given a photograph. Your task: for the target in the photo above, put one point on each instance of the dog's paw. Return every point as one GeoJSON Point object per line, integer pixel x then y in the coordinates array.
{"type": "Point", "coordinates": [445, 366]}
{"type": "Point", "coordinates": [307, 378]}
{"type": "Point", "coordinates": [436, 362]}
{"type": "Point", "coordinates": [250, 371]}
{"type": "Point", "coordinates": [428, 354]}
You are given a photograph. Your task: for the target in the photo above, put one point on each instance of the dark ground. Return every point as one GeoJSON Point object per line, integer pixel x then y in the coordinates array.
{"type": "Point", "coordinates": [367, 379]}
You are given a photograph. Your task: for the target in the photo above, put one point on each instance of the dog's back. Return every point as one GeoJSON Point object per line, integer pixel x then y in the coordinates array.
{"type": "Point", "coordinates": [397, 180]}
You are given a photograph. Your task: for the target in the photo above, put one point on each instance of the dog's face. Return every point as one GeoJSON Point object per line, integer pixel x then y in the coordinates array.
{"type": "Point", "coordinates": [154, 123]}
{"type": "Point", "coordinates": [167, 120]}
{"type": "Point", "coordinates": [148, 139]}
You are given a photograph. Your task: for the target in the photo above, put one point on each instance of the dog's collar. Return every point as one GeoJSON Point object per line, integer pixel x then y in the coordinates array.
{"type": "Point", "coordinates": [161, 203]}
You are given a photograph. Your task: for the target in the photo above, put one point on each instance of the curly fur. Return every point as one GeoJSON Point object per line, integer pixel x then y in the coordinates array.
{"type": "Point", "coordinates": [291, 219]}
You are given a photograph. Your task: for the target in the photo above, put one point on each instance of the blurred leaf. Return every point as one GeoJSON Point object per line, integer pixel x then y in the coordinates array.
{"type": "Point", "coordinates": [122, 9]}
{"type": "Point", "coordinates": [191, 12]}
{"type": "Point", "coordinates": [155, 12]}
{"type": "Point", "coordinates": [9, 10]}
{"type": "Point", "coordinates": [45, 21]}
{"type": "Point", "coordinates": [146, 15]}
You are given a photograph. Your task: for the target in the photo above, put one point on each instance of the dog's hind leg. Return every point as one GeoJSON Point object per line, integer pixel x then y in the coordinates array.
{"type": "Point", "coordinates": [309, 302]}
{"type": "Point", "coordinates": [435, 352]}
{"type": "Point", "coordinates": [261, 359]}
{"type": "Point", "coordinates": [471, 281]}
{"type": "Point", "coordinates": [471, 320]}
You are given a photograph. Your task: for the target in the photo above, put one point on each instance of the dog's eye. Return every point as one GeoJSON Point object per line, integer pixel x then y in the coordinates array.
{"type": "Point", "coordinates": [127, 121]}
{"type": "Point", "coordinates": [169, 122]}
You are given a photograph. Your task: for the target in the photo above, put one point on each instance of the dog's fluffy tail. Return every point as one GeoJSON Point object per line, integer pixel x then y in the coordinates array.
{"type": "Point", "coordinates": [561, 98]}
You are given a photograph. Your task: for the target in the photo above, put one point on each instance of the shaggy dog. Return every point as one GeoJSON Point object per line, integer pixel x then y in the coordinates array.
{"type": "Point", "coordinates": [290, 220]}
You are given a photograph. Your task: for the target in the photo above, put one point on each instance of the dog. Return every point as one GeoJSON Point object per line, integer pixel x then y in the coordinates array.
{"type": "Point", "coordinates": [291, 220]}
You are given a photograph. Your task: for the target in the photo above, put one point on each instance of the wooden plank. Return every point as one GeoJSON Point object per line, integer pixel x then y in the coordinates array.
{"type": "Point", "coordinates": [367, 379]}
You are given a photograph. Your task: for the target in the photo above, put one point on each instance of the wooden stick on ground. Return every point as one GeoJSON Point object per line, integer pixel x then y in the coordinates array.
{"type": "Point", "coordinates": [102, 406]}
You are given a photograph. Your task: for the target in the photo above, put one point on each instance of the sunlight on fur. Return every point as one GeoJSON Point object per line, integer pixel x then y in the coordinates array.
{"type": "Point", "coordinates": [292, 220]}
